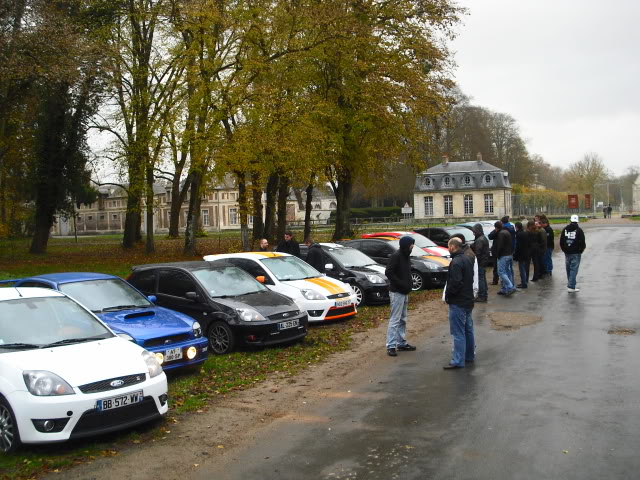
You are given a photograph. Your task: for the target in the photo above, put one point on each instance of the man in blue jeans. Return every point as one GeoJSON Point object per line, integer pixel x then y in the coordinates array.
{"type": "Point", "coordinates": [572, 243]}
{"type": "Point", "coordinates": [459, 297]}
{"type": "Point", "coordinates": [398, 272]}
{"type": "Point", "coordinates": [504, 252]}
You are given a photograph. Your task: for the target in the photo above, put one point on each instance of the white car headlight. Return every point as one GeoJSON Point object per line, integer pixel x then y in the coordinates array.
{"type": "Point", "coordinates": [249, 315]}
{"type": "Point", "coordinates": [431, 266]}
{"type": "Point", "coordinates": [197, 329]}
{"type": "Point", "coordinates": [375, 278]}
{"type": "Point", "coordinates": [44, 384]}
{"type": "Point", "coordinates": [153, 364]}
{"type": "Point", "coordinates": [313, 295]}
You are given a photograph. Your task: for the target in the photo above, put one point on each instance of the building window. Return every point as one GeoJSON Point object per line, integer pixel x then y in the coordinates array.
{"type": "Point", "coordinates": [488, 203]}
{"type": "Point", "coordinates": [428, 182]}
{"type": "Point", "coordinates": [448, 204]}
{"type": "Point", "coordinates": [101, 217]}
{"type": "Point", "coordinates": [205, 218]}
{"type": "Point", "coordinates": [467, 180]}
{"type": "Point", "coordinates": [233, 216]}
{"type": "Point", "coordinates": [317, 206]}
{"type": "Point", "coordinates": [487, 179]}
{"type": "Point", "coordinates": [250, 219]}
{"type": "Point", "coordinates": [90, 217]}
{"type": "Point", "coordinates": [428, 206]}
{"type": "Point", "coordinates": [333, 205]}
{"type": "Point", "coordinates": [114, 216]}
{"type": "Point", "coordinates": [468, 204]}
{"type": "Point", "coordinates": [448, 182]}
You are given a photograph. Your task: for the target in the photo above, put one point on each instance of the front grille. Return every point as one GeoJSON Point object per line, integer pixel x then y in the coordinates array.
{"type": "Point", "coordinates": [335, 312]}
{"type": "Point", "coordinates": [284, 315]}
{"type": "Point", "coordinates": [105, 385]}
{"type": "Point", "coordinates": [93, 422]}
{"type": "Point", "coordinates": [161, 341]}
{"type": "Point", "coordinates": [339, 295]}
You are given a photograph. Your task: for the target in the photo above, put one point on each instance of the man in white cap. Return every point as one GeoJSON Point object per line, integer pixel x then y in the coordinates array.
{"type": "Point", "coordinates": [572, 243]}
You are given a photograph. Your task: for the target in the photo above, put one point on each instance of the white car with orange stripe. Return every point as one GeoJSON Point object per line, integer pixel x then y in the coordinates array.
{"type": "Point", "coordinates": [322, 297]}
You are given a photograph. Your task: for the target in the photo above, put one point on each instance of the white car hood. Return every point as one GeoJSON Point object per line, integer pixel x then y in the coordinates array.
{"type": "Point", "coordinates": [324, 285]}
{"type": "Point", "coordinates": [84, 362]}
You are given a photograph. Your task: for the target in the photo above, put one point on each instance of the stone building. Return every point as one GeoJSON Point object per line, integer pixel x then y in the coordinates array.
{"type": "Point", "coordinates": [462, 190]}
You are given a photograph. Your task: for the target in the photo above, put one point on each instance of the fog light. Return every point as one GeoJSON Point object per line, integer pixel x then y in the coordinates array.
{"type": "Point", "coordinates": [191, 353]}
{"type": "Point", "coordinates": [315, 313]}
{"type": "Point", "coordinates": [53, 425]}
{"type": "Point", "coordinates": [159, 357]}
{"type": "Point", "coordinates": [251, 338]}
{"type": "Point", "coordinates": [163, 399]}
{"type": "Point", "coordinates": [48, 425]}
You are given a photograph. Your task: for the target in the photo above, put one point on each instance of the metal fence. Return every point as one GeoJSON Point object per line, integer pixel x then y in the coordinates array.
{"type": "Point", "coordinates": [549, 204]}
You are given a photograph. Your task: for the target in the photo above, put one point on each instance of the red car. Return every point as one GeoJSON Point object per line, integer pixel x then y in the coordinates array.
{"type": "Point", "coordinates": [421, 242]}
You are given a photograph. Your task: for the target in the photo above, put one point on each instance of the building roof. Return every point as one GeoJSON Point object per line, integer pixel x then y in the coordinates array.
{"type": "Point", "coordinates": [463, 167]}
{"type": "Point", "coordinates": [456, 176]}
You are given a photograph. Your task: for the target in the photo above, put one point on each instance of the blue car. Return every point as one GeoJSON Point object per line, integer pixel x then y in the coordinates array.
{"type": "Point", "coordinates": [175, 339]}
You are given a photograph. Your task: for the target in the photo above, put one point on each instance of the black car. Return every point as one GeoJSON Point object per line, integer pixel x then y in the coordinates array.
{"type": "Point", "coordinates": [366, 277]}
{"type": "Point", "coordinates": [441, 235]}
{"type": "Point", "coordinates": [230, 305]}
{"type": "Point", "coordinates": [426, 270]}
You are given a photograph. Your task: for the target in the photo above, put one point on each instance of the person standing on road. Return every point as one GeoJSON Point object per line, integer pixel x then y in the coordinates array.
{"type": "Point", "coordinates": [609, 210]}
{"type": "Point", "coordinates": [398, 272]}
{"type": "Point", "coordinates": [481, 249]}
{"type": "Point", "coordinates": [264, 245]}
{"type": "Point", "coordinates": [459, 297]}
{"type": "Point", "coordinates": [504, 252]}
{"type": "Point", "coordinates": [315, 258]}
{"type": "Point", "coordinates": [494, 256]}
{"type": "Point", "coordinates": [289, 245]}
{"type": "Point", "coordinates": [537, 246]}
{"type": "Point", "coordinates": [468, 251]}
{"type": "Point", "coordinates": [522, 255]}
{"type": "Point", "coordinates": [572, 243]}
{"type": "Point", "coordinates": [548, 259]}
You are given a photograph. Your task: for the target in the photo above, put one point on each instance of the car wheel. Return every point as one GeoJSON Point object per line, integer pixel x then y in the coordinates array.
{"type": "Point", "coordinates": [9, 436]}
{"type": "Point", "coordinates": [221, 338]}
{"type": "Point", "coordinates": [359, 294]}
{"type": "Point", "coordinates": [417, 282]}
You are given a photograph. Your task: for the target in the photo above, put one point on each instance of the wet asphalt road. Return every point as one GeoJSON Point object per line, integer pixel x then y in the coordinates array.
{"type": "Point", "coordinates": [559, 399]}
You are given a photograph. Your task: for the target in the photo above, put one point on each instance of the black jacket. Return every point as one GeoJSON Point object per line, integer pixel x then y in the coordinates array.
{"type": "Point", "coordinates": [398, 271]}
{"type": "Point", "coordinates": [315, 257]}
{"type": "Point", "coordinates": [481, 248]}
{"type": "Point", "coordinates": [537, 245]}
{"type": "Point", "coordinates": [572, 239]}
{"type": "Point", "coordinates": [550, 243]}
{"type": "Point", "coordinates": [505, 243]}
{"type": "Point", "coordinates": [494, 247]}
{"type": "Point", "coordinates": [459, 289]}
{"type": "Point", "coordinates": [291, 247]}
{"type": "Point", "coordinates": [522, 253]}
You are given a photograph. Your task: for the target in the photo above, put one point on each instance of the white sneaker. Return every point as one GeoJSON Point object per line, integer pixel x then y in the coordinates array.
{"type": "Point", "coordinates": [573, 290]}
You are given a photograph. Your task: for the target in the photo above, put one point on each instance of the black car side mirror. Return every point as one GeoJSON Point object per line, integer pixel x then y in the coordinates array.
{"type": "Point", "coordinates": [191, 296]}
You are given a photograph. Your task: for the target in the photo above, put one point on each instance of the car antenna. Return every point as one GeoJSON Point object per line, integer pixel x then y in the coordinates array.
{"type": "Point", "coordinates": [18, 292]}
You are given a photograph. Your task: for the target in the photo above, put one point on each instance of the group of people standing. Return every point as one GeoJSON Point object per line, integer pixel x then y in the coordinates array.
{"type": "Point", "coordinates": [607, 211]}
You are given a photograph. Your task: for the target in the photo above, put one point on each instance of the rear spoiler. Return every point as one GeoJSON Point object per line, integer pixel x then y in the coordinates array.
{"type": "Point", "coordinates": [7, 282]}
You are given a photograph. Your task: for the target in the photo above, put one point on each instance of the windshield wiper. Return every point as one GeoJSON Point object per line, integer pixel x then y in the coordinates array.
{"type": "Point", "coordinates": [20, 346]}
{"type": "Point", "coordinates": [121, 307]}
{"type": "Point", "coordinates": [71, 341]}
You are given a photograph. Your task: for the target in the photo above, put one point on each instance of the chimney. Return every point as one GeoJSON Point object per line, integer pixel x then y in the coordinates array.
{"type": "Point", "coordinates": [479, 158]}
{"type": "Point", "coordinates": [445, 160]}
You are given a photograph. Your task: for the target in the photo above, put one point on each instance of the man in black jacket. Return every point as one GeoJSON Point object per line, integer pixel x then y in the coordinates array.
{"type": "Point", "coordinates": [548, 253]}
{"type": "Point", "coordinates": [572, 243]}
{"type": "Point", "coordinates": [459, 297]}
{"type": "Point", "coordinates": [481, 249]}
{"type": "Point", "coordinates": [289, 245]}
{"type": "Point", "coordinates": [398, 272]}
{"type": "Point", "coordinates": [522, 255]}
{"type": "Point", "coordinates": [315, 258]}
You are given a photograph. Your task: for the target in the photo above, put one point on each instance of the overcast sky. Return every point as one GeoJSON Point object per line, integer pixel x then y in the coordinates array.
{"type": "Point", "coordinates": [568, 71]}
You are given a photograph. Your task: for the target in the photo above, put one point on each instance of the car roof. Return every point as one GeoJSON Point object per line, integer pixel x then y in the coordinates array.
{"type": "Point", "coordinates": [248, 255]}
{"type": "Point", "coordinates": [333, 245]}
{"type": "Point", "coordinates": [69, 277]}
{"type": "Point", "coordinates": [191, 265]}
{"type": "Point", "coordinates": [27, 292]}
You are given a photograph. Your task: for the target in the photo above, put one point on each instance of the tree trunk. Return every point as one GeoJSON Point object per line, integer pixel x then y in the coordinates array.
{"type": "Point", "coordinates": [270, 207]}
{"type": "Point", "coordinates": [256, 191]}
{"type": "Point", "coordinates": [307, 212]}
{"type": "Point", "coordinates": [150, 246]}
{"type": "Point", "coordinates": [283, 193]}
{"type": "Point", "coordinates": [177, 200]}
{"type": "Point", "coordinates": [43, 224]}
{"type": "Point", "coordinates": [193, 217]}
{"type": "Point", "coordinates": [244, 210]}
{"type": "Point", "coordinates": [343, 209]}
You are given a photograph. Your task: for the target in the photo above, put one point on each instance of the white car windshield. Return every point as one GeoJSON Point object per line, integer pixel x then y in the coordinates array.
{"type": "Point", "coordinates": [415, 252]}
{"type": "Point", "coordinates": [421, 240]}
{"type": "Point", "coordinates": [350, 257]}
{"type": "Point", "coordinates": [28, 323]}
{"type": "Point", "coordinates": [290, 268]}
{"type": "Point", "coordinates": [105, 295]}
{"type": "Point", "coordinates": [227, 282]}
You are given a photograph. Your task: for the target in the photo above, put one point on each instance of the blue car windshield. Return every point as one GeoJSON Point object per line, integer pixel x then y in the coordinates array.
{"type": "Point", "coordinates": [28, 323]}
{"type": "Point", "coordinates": [98, 295]}
{"type": "Point", "coordinates": [227, 281]}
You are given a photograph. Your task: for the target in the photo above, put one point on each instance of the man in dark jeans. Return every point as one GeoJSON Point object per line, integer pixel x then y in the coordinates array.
{"type": "Point", "coordinates": [504, 252]}
{"type": "Point", "coordinates": [481, 249]}
{"type": "Point", "coordinates": [572, 243]}
{"type": "Point", "coordinates": [459, 297]}
{"type": "Point", "coordinates": [548, 258]}
{"type": "Point", "coordinates": [522, 255]}
{"type": "Point", "coordinates": [494, 256]}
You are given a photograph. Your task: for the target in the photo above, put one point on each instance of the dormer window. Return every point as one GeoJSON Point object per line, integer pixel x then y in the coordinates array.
{"type": "Point", "coordinates": [487, 179]}
{"type": "Point", "coordinates": [448, 182]}
{"type": "Point", "coordinates": [467, 180]}
{"type": "Point", "coordinates": [428, 182]}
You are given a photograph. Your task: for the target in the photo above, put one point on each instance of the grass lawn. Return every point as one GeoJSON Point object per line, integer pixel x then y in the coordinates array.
{"type": "Point", "coordinates": [191, 390]}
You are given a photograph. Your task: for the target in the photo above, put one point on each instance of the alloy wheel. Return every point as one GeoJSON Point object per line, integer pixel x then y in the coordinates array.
{"type": "Point", "coordinates": [416, 280]}
{"type": "Point", "coordinates": [220, 338]}
{"type": "Point", "coordinates": [7, 429]}
{"type": "Point", "coordinates": [359, 295]}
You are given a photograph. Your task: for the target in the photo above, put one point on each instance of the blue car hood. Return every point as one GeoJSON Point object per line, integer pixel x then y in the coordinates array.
{"type": "Point", "coordinates": [147, 323]}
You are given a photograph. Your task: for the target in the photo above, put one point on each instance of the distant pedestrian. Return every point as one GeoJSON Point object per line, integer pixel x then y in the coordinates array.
{"type": "Point", "coordinates": [522, 255]}
{"type": "Point", "coordinates": [537, 245]}
{"type": "Point", "coordinates": [483, 256]}
{"type": "Point", "coordinates": [398, 272]}
{"type": "Point", "coordinates": [548, 253]}
{"type": "Point", "coordinates": [605, 210]}
{"type": "Point", "coordinates": [264, 245]}
{"type": "Point", "coordinates": [572, 243]}
{"type": "Point", "coordinates": [289, 245]}
{"type": "Point", "coordinates": [609, 210]}
{"type": "Point", "coordinates": [315, 257]}
{"type": "Point", "coordinates": [504, 252]}
{"type": "Point", "coordinates": [459, 297]}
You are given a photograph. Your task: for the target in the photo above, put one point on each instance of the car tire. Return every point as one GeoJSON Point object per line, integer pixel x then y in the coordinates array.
{"type": "Point", "coordinates": [359, 294]}
{"type": "Point", "coordinates": [9, 435]}
{"type": "Point", "coordinates": [417, 281]}
{"type": "Point", "coordinates": [221, 338]}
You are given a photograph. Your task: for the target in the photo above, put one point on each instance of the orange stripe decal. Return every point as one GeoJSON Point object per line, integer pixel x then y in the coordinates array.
{"type": "Point", "coordinates": [268, 254]}
{"type": "Point", "coordinates": [441, 260]}
{"type": "Point", "coordinates": [332, 288]}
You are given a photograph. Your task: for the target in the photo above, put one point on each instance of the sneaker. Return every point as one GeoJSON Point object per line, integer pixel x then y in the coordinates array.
{"type": "Point", "coordinates": [392, 352]}
{"type": "Point", "coordinates": [406, 348]}
{"type": "Point", "coordinates": [573, 290]}
{"type": "Point", "coordinates": [510, 292]}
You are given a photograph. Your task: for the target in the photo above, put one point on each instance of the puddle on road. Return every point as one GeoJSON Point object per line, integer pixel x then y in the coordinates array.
{"type": "Point", "coordinates": [512, 320]}
{"type": "Point", "coordinates": [621, 331]}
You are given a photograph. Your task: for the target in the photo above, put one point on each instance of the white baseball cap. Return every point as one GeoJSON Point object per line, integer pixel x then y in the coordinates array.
{"type": "Point", "coordinates": [575, 218]}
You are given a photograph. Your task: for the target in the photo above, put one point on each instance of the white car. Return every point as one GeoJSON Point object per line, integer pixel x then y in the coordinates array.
{"type": "Point", "coordinates": [323, 298]}
{"type": "Point", "coordinates": [64, 374]}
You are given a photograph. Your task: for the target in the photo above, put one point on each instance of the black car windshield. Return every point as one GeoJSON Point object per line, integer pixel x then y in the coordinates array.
{"type": "Point", "coordinates": [28, 323]}
{"type": "Point", "coordinates": [415, 252]}
{"type": "Point", "coordinates": [290, 268]}
{"type": "Point", "coordinates": [468, 234]}
{"type": "Point", "coordinates": [227, 281]}
{"type": "Point", "coordinates": [421, 240]}
{"type": "Point", "coordinates": [350, 257]}
{"type": "Point", "coordinates": [98, 295]}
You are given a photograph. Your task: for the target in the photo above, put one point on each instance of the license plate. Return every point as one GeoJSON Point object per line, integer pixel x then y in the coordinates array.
{"type": "Point", "coordinates": [343, 303]}
{"type": "Point", "coordinates": [120, 401]}
{"type": "Point", "coordinates": [288, 324]}
{"type": "Point", "coordinates": [173, 354]}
